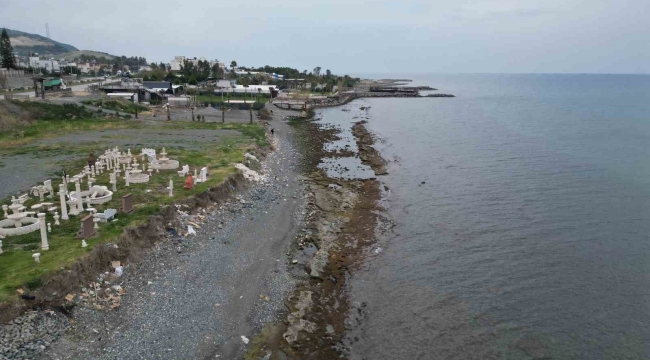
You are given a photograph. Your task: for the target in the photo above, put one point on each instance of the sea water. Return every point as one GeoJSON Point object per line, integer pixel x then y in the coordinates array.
{"type": "Point", "coordinates": [522, 221]}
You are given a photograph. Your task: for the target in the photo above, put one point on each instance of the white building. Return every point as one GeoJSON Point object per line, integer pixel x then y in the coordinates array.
{"type": "Point", "coordinates": [225, 84]}
{"type": "Point", "coordinates": [254, 89]}
{"type": "Point", "coordinates": [178, 62]}
{"type": "Point", "coordinates": [49, 65]}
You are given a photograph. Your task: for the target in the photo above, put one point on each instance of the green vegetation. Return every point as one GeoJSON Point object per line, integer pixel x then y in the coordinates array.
{"type": "Point", "coordinates": [7, 59]}
{"type": "Point", "coordinates": [117, 105]}
{"type": "Point", "coordinates": [18, 269]}
{"type": "Point", "coordinates": [20, 121]}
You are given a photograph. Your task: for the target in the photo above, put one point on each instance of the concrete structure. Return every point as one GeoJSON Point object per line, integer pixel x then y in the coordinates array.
{"type": "Point", "coordinates": [13, 79]}
{"type": "Point", "coordinates": [123, 95]}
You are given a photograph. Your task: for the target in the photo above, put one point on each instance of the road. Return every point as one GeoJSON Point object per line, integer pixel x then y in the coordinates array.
{"type": "Point", "coordinates": [79, 87]}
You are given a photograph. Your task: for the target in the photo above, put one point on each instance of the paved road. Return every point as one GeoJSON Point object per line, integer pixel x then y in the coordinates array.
{"type": "Point", "coordinates": [80, 87]}
{"type": "Point", "coordinates": [201, 302]}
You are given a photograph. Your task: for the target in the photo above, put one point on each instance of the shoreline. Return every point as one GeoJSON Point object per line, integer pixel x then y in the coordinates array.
{"type": "Point", "coordinates": [343, 217]}
{"type": "Point", "coordinates": [329, 240]}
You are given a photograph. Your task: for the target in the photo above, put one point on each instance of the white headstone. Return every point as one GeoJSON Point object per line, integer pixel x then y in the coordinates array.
{"type": "Point", "coordinates": [83, 243]}
{"type": "Point", "coordinates": [49, 227]}
{"type": "Point", "coordinates": [171, 188]}
{"type": "Point", "coordinates": [37, 257]}
{"type": "Point", "coordinates": [64, 209]}
{"type": "Point", "coordinates": [80, 206]}
{"type": "Point", "coordinates": [41, 223]}
{"type": "Point", "coordinates": [56, 218]}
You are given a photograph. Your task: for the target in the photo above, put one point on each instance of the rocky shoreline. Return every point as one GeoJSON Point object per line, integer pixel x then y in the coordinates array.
{"type": "Point", "coordinates": [342, 217]}
{"type": "Point", "coordinates": [337, 226]}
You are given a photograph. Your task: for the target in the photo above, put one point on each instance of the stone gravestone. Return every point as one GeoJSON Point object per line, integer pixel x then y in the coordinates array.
{"type": "Point", "coordinates": [151, 154]}
{"type": "Point", "coordinates": [127, 203]}
{"type": "Point", "coordinates": [87, 227]}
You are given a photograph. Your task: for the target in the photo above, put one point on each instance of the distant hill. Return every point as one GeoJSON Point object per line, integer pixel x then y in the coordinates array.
{"type": "Point", "coordinates": [76, 54]}
{"type": "Point", "coordinates": [25, 43]}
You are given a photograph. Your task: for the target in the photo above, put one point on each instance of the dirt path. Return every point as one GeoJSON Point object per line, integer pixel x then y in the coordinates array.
{"type": "Point", "coordinates": [195, 297]}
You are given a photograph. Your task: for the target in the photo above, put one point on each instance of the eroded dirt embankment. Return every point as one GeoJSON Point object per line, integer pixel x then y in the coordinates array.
{"type": "Point", "coordinates": [128, 247]}
{"type": "Point", "coordinates": [341, 219]}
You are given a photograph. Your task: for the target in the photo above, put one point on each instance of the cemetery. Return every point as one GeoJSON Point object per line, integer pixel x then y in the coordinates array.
{"type": "Point", "coordinates": [54, 224]}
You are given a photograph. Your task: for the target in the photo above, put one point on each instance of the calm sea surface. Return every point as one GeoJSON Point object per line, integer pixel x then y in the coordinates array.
{"type": "Point", "coordinates": [530, 237]}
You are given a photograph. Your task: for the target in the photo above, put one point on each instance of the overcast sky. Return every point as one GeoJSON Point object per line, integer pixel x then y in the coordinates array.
{"type": "Point", "coordinates": [358, 36]}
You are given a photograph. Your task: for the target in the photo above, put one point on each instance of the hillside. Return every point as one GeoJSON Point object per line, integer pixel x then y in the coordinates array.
{"type": "Point", "coordinates": [25, 43]}
{"type": "Point", "coordinates": [76, 54]}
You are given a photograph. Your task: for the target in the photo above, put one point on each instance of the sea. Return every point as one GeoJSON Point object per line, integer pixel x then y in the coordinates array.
{"type": "Point", "coordinates": [521, 213]}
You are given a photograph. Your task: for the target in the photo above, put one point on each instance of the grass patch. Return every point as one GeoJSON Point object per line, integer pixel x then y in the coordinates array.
{"type": "Point", "coordinates": [16, 139]}
{"type": "Point", "coordinates": [254, 131]}
{"type": "Point", "coordinates": [17, 267]}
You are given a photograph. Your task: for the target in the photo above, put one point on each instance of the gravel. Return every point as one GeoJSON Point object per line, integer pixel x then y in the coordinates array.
{"type": "Point", "coordinates": [28, 335]}
{"type": "Point", "coordinates": [197, 296]}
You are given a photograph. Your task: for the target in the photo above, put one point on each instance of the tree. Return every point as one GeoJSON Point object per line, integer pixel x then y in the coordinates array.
{"type": "Point", "coordinates": [7, 59]}
{"type": "Point", "coordinates": [316, 71]}
{"type": "Point", "coordinates": [192, 80]}
{"type": "Point", "coordinates": [216, 71]}
{"type": "Point", "coordinates": [233, 65]}
{"type": "Point", "coordinates": [328, 73]}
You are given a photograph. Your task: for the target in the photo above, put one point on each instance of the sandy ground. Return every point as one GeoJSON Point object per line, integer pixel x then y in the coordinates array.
{"type": "Point", "coordinates": [195, 297]}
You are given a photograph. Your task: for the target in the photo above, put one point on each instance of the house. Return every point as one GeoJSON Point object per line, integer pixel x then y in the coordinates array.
{"type": "Point", "coordinates": [158, 86]}
{"type": "Point", "coordinates": [225, 84]}
{"type": "Point", "coordinates": [157, 89]}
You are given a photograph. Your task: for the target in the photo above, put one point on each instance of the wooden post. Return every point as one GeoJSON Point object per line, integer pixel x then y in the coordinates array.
{"type": "Point", "coordinates": [250, 108]}
{"type": "Point", "coordinates": [192, 113]}
{"type": "Point", "coordinates": [35, 88]}
{"type": "Point", "coordinates": [223, 114]}
{"type": "Point", "coordinates": [168, 117]}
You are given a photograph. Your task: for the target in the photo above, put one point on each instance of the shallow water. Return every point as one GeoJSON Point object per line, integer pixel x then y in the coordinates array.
{"type": "Point", "coordinates": [343, 167]}
{"type": "Point", "coordinates": [530, 237]}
